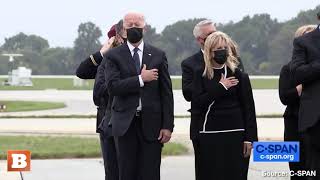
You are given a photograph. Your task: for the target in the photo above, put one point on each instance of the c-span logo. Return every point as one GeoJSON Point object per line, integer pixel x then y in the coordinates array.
{"type": "Point", "coordinates": [19, 160]}
{"type": "Point", "coordinates": [276, 151]}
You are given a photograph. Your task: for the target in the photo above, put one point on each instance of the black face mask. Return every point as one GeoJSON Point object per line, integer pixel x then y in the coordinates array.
{"type": "Point", "coordinates": [220, 56]}
{"type": "Point", "coordinates": [134, 34]}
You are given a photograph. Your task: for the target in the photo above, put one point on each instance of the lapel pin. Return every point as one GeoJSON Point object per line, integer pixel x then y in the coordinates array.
{"type": "Point", "coordinates": [149, 54]}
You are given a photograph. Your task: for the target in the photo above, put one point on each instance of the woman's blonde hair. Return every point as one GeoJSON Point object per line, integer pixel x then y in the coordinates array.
{"type": "Point", "coordinates": [214, 41]}
{"type": "Point", "coordinates": [235, 50]}
{"type": "Point", "coordinates": [304, 30]}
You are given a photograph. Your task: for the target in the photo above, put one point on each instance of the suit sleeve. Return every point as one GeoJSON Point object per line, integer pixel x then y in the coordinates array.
{"type": "Point", "coordinates": [249, 112]}
{"type": "Point", "coordinates": [100, 86]}
{"type": "Point", "coordinates": [287, 93]}
{"type": "Point", "coordinates": [166, 96]}
{"type": "Point", "coordinates": [187, 77]}
{"type": "Point", "coordinates": [87, 69]}
{"type": "Point", "coordinates": [116, 85]}
{"type": "Point", "coordinates": [302, 71]}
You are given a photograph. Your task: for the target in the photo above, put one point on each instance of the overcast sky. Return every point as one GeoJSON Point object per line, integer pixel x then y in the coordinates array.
{"type": "Point", "coordinates": [58, 20]}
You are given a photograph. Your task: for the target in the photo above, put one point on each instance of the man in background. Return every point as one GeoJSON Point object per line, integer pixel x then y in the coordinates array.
{"type": "Point", "coordinates": [93, 68]}
{"type": "Point", "coordinates": [305, 68]}
{"type": "Point", "coordinates": [189, 66]}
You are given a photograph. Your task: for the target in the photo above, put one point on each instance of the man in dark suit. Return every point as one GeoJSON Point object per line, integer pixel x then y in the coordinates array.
{"type": "Point", "coordinates": [189, 66]}
{"type": "Point", "coordinates": [142, 107]}
{"type": "Point", "coordinates": [305, 67]}
{"type": "Point", "coordinates": [100, 93]}
{"type": "Point", "coordinates": [94, 67]}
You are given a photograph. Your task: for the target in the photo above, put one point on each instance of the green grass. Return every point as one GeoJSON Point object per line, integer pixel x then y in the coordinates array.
{"type": "Point", "coordinates": [18, 106]}
{"type": "Point", "coordinates": [264, 83]}
{"type": "Point", "coordinates": [173, 149]}
{"type": "Point", "coordinates": [63, 84]}
{"type": "Point", "coordinates": [51, 147]}
{"type": "Point", "coordinates": [65, 147]}
{"type": "Point", "coordinates": [176, 84]}
{"type": "Point", "coordinates": [50, 83]}
{"type": "Point", "coordinates": [67, 84]}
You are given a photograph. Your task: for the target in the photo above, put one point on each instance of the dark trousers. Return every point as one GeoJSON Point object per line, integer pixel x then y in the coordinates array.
{"type": "Point", "coordinates": [109, 158]}
{"type": "Point", "coordinates": [196, 150]}
{"type": "Point", "coordinates": [138, 158]}
{"type": "Point", "coordinates": [291, 133]}
{"type": "Point", "coordinates": [221, 156]}
{"type": "Point", "coordinates": [246, 167]}
{"type": "Point", "coordinates": [312, 150]}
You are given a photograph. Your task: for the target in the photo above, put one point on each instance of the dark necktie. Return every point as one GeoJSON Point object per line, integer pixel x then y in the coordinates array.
{"type": "Point", "coordinates": [136, 59]}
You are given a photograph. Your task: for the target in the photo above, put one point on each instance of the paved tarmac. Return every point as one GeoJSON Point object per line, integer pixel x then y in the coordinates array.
{"type": "Point", "coordinates": [268, 128]}
{"type": "Point", "coordinates": [80, 102]}
{"type": "Point", "coordinates": [173, 168]}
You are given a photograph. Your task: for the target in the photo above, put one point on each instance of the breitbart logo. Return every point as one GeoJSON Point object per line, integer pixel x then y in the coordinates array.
{"type": "Point", "coordinates": [18, 160]}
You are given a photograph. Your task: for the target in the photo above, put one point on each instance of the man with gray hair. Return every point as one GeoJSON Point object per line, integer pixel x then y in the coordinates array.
{"type": "Point", "coordinates": [189, 66]}
{"type": "Point", "coordinates": [142, 108]}
{"type": "Point", "coordinates": [202, 30]}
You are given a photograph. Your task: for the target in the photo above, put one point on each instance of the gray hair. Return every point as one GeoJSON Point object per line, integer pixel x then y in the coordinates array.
{"type": "Point", "coordinates": [119, 26]}
{"type": "Point", "coordinates": [197, 29]}
{"type": "Point", "coordinates": [140, 16]}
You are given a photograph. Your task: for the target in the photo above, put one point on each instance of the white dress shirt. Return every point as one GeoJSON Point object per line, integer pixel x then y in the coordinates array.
{"type": "Point", "coordinates": [140, 53]}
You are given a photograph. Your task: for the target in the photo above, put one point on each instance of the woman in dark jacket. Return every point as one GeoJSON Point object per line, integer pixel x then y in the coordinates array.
{"type": "Point", "coordinates": [290, 96]}
{"type": "Point", "coordinates": [228, 123]}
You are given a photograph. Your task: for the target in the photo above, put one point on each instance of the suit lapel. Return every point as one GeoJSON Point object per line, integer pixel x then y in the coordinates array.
{"type": "Point", "coordinates": [126, 54]}
{"type": "Point", "coordinates": [147, 55]}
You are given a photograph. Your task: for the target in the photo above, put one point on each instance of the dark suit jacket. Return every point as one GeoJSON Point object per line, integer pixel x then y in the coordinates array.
{"type": "Point", "coordinates": [204, 94]}
{"type": "Point", "coordinates": [87, 70]}
{"type": "Point", "coordinates": [305, 67]}
{"type": "Point", "coordinates": [100, 87]}
{"type": "Point", "coordinates": [100, 95]}
{"type": "Point", "coordinates": [189, 67]}
{"type": "Point", "coordinates": [156, 96]}
{"type": "Point", "coordinates": [288, 93]}
{"type": "Point", "coordinates": [289, 96]}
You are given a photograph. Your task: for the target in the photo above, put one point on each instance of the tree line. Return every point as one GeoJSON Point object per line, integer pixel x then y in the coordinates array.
{"type": "Point", "coordinates": [265, 45]}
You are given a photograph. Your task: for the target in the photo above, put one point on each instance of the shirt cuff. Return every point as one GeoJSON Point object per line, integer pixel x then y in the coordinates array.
{"type": "Point", "coordinates": [93, 61]}
{"type": "Point", "coordinates": [247, 142]}
{"type": "Point", "coordinates": [223, 85]}
{"type": "Point", "coordinates": [141, 81]}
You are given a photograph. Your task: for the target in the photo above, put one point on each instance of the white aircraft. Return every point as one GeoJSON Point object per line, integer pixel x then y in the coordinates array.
{"type": "Point", "coordinates": [11, 56]}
